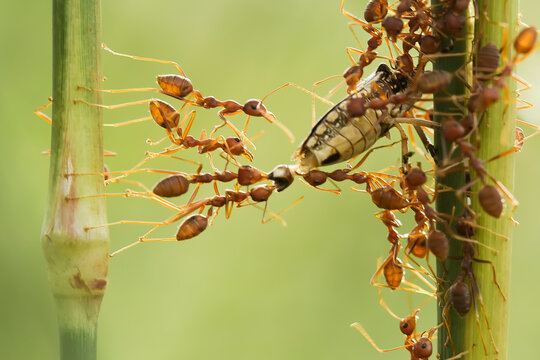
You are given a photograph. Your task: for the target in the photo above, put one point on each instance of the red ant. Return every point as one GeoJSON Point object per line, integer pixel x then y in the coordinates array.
{"type": "Point", "coordinates": [180, 87]}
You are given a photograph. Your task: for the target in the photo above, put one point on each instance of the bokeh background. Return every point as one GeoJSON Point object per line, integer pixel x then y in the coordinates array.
{"type": "Point", "coordinates": [241, 290]}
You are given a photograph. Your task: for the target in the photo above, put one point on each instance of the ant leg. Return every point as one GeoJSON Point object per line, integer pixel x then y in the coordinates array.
{"type": "Point", "coordinates": [461, 354]}
{"type": "Point", "coordinates": [136, 168]}
{"type": "Point", "coordinates": [120, 91]}
{"type": "Point", "coordinates": [141, 239]}
{"type": "Point", "coordinates": [494, 274]}
{"type": "Point", "coordinates": [221, 115]}
{"type": "Point", "coordinates": [150, 156]}
{"type": "Point", "coordinates": [427, 144]}
{"type": "Point", "coordinates": [367, 154]}
{"type": "Point", "coordinates": [417, 122]}
{"type": "Point", "coordinates": [105, 47]}
{"type": "Point", "coordinates": [350, 26]}
{"type": "Point", "coordinates": [312, 93]}
{"type": "Point", "coordinates": [477, 294]}
{"type": "Point", "coordinates": [278, 215]}
{"type": "Point", "coordinates": [354, 50]}
{"type": "Point", "coordinates": [527, 105]}
{"type": "Point", "coordinates": [415, 145]}
{"type": "Point", "coordinates": [129, 122]}
{"type": "Point", "coordinates": [113, 106]}
{"type": "Point", "coordinates": [39, 113]}
{"type": "Point", "coordinates": [520, 80]}
{"type": "Point", "coordinates": [405, 154]}
{"type": "Point", "coordinates": [385, 306]}
{"type": "Point", "coordinates": [365, 25]}
{"type": "Point", "coordinates": [446, 322]}
{"type": "Point", "coordinates": [359, 327]}
{"type": "Point", "coordinates": [331, 92]}
{"type": "Point", "coordinates": [328, 102]}
{"type": "Point", "coordinates": [418, 273]}
{"type": "Point", "coordinates": [337, 192]}
{"type": "Point", "coordinates": [191, 116]}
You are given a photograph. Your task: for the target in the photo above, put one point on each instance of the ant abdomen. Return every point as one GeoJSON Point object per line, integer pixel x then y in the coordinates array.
{"type": "Point", "coordinates": [171, 186]}
{"type": "Point", "coordinates": [388, 198]}
{"type": "Point", "coordinates": [491, 200]}
{"type": "Point", "coordinates": [176, 85]}
{"type": "Point", "coordinates": [438, 244]}
{"type": "Point", "coordinates": [191, 227]}
{"type": "Point", "coordinates": [393, 273]}
{"type": "Point", "coordinates": [164, 114]}
{"type": "Point", "coordinates": [460, 296]}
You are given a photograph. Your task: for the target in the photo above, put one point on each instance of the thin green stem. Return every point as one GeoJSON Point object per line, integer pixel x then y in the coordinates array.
{"type": "Point", "coordinates": [77, 258]}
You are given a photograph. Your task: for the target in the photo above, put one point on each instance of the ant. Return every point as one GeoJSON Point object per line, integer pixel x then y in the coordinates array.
{"type": "Point", "coordinates": [419, 345]}
{"type": "Point", "coordinates": [167, 117]}
{"type": "Point", "coordinates": [461, 295]}
{"type": "Point", "coordinates": [181, 88]}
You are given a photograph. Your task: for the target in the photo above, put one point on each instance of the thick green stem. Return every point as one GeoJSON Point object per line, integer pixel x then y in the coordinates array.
{"type": "Point", "coordinates": [77, 258]}
{"type": "Point", "coordinates": [449, 202]}
{"type": "Point", "coordinates": [496, 133]}
{"type": "Point", "coordinates": [495, 22]}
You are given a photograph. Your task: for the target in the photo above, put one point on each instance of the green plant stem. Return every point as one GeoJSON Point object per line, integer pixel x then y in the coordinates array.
{"type": "Point", "coordinates": [496, 134]}
{"type": "Point", "coordinates": [449, 202]}
{"type": "Point", "coordinates": [77, 257]}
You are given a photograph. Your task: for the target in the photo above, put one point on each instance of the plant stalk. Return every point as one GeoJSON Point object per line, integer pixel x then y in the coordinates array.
{"type": "Point", "coordinates": [77, 257]}
{"type": "Point", "coordinates": [496, 134]}
{"type": "Point", "coordinates": [449, 202]}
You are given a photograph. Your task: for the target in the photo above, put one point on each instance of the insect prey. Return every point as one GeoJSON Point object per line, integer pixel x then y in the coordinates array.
{"type": "Point", "coordinates": [357, 122]}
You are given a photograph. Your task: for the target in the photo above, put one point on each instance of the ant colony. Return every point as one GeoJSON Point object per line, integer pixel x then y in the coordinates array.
{"type": "Point", "coordinates": [400, 94]}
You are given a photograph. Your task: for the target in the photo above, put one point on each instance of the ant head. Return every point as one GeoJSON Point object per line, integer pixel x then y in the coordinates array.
{"type": "Point", "coordinates": [415, 177]}
{"type": "Point", "coordinates": [406, 65]}
{"type": "Point", "coordinates": [248, 175]}
{"type": "Point", "coordinates": [452, 130]}
{"type": "Point", "coordinates": [255, 107]}
{"type": "Point", "coordinates": [422, 348]}
{"type": "Point", "coordinates": [353, 75]}
{"type": "Point", "coordinates": [466, 224]}
{"type": "Point", "coordinates": [429, 44]}
{"type": "Point", "coordinates": [261, 193]}
{"type": "Point", "coordinates": [236, 147]}
{"type": "Point", "coordinates": [407, 325]}
{"type": "Point", "coordinates": [356, 106]}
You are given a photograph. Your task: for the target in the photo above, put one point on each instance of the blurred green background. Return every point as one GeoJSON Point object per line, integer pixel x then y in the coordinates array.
{"type": "Point", "coordinates": [241, 290]}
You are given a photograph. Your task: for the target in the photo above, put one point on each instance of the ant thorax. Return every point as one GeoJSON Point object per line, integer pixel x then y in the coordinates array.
{"type": "Point", "coordinates": [343, 133]}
